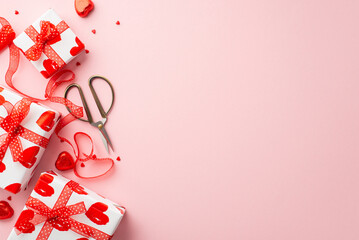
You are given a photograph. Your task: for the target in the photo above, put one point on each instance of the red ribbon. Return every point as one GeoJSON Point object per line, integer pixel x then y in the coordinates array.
{"type": "Point", "coordinates": [59, 217]}
{"type": "Point", "coordinates": [54, 82]}
{"type": "Point", "coordinates": [11, 124]}
{"type": "Point", "coordinates": [48, 33]}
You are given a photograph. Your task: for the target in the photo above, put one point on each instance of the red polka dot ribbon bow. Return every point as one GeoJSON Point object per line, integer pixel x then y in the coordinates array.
{"type": "Point", "coordinates": [58, 217]}
{"type": "Point", "coordinates": [49, 34]}
{"type": "Point", "coordinates": [11, 139]}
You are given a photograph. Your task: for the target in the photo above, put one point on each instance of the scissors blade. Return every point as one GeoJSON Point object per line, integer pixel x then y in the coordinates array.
{"type": "Point", "coordinates": [106, 139]}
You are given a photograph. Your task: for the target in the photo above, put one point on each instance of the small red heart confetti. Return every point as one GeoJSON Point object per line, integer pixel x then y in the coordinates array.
{"type": "Point", "coordinates": [78, 64]}
{"type": "Point", "coordinates": [118, 158]}
{"type": "Point", "coordinates": [16, 12]}
{"type": "Point", "coordinates": [9, 198]}
{"type": "Point", "coordinates": [82, 165]}
{"type": "Point", "coordinates": [64, 161]}
{"type": "Point", "coordinates": [118, 23]}
{"type": "Point", "coordinates": [93, 31]}
{"type": "Point", "coordinates": [87, 51]}
{"type": "Point", "coordinates": [6, 210]}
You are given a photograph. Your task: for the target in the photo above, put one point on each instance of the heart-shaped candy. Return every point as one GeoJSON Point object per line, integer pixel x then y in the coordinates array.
{"type": "Point", "coordinates": [42, 186]}
{"type": "Point", "coordinates": [23, 223]}
{"type": "Point", "coordinates": [96, 213]}
{"type": "Point", "coordinates": [6, 210]}
{"type": "Point", "coordinates": [29, 156]}
{"type": "Point", "coordinates": [64, 161]}
{"type": "Point", "coordinates": [83, 7]}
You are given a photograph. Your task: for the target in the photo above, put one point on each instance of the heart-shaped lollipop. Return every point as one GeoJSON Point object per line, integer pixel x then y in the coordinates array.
{"type": "Point", "coordinates": [6, 210]}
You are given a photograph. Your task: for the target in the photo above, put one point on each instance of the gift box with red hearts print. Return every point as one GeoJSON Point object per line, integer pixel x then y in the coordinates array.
{"type": "Point", "coordinates": [49, 43]}
{"type": "Point", "coordinates": [59, 208]}
{"type": "Point", "coordinates": [25, 129]}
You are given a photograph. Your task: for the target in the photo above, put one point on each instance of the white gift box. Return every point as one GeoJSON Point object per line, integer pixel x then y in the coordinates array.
{"type": "Point", "coordinates": [27, 142]}
{"type": "Point", "coordinates": [59, 208]}
{"type": "Point", "coordinates": [57, 52]}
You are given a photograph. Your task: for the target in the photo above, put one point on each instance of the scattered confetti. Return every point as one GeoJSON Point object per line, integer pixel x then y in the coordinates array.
{"type": "Point", "coordinates": [93, 31]}
{"type": "Point", "coordinates": [16, 12]}
{"type": "Point", "coordinates": [118, 158]}
{"type": "Point", "coordinates": [118, 23]}
{"type": "Point", "coordinates": [87, 51]}
{"type": "Point", "coordinates": [78, 64]}
{"type": "Point", "coordinates": [82, 165]}
{"type": "Point", "coordinates": [9, 198]}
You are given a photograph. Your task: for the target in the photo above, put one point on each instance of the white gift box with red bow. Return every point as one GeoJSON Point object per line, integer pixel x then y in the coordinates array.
{"type": "Point", "coordinates": [54, 50]}
{"type": "Point", "coordinates": [59, 208]}
{"type": "Point", "coordinates": [24, 134]}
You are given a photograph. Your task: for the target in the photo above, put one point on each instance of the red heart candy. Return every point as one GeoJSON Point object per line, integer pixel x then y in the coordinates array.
{"type": "Point", "coordinates": [6, 210]}
{"type": "Point", "coordinates": [42, 186]}
{"type": "Point", "coordinates": [23, 223]}
{"type": "Point", "coordinates": [29, 156]}
{"type": "Point", "coordinates": [64, 161]}
{"type": "Point", "coordinates": [50, 66]}
{"type": "Point", "coordinates": [46, 120]}
{"type": "Point", "coordinates": [96, 213]}
{"type": "Point", "coordinates": [2, 167]}
{"type": "Point", "coordinates": [83, 7]}
{"type": "Point", "coordinates": [77, 49]}
{"type": "Point", "coordinates": [14, 188]}
{"type": "Point", "coordinates": [7, 35]}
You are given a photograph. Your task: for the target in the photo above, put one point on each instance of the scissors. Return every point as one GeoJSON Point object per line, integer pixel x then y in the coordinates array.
{"type": "Point", "coordinates": [100, 125]}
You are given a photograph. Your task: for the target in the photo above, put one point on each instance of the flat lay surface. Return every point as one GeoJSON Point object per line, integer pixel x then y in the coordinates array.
{"type": "Point", "coordinates": [233, 119]}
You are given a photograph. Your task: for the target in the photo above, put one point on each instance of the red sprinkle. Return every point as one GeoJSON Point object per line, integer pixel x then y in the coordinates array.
{"type": "Point", "coordinates": [87, 51]}
{"type": "Point", "coordinates": [16, 12]}
{"type": "Point", "coordinates": [93, 31]}
{"type": "Point", "coordinates": [82, 165]}
{"type": "Point", "coordinates": [78, 64]}
{"type": "Point", "coordinates": [118, 23]}
{"type": "Point", "coordinates": [118, 158]}
{"type": "Point", "coordinates": [9, 198]}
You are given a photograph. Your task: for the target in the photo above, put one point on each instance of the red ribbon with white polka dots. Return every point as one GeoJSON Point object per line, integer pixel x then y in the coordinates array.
{"type": "Point", "coordinates": [49, 34]}
{"type": "Point", "coordinates": [59, 217]}
{"type": "Point", "coordinates": [12, 125]}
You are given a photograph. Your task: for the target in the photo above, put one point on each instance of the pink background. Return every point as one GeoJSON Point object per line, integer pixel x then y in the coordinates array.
{"type": "Point", "coordinates": [234, 119]}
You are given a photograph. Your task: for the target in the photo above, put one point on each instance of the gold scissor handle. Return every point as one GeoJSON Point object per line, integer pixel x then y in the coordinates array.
{"type": "Point", "coordinates": [97, 100]}
{"type": "Point", "coordinates": [83, 100]}
{"type": "Point", "coordinates": [95, 96]}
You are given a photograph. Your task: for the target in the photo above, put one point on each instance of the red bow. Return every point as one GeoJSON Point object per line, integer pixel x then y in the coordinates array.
{"type": "Point", "coordinates": [11, 124]}
{"type": "Point", "coordinates": [48, 33]}
{"type": "Point", "coordinates": [59, 217]}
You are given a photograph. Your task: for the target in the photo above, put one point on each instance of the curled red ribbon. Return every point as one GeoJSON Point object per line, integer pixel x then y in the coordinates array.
{"type": "Point", "coordinates": [59, 217]}
{"type": "Point", "coordinates": [49, 34]}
